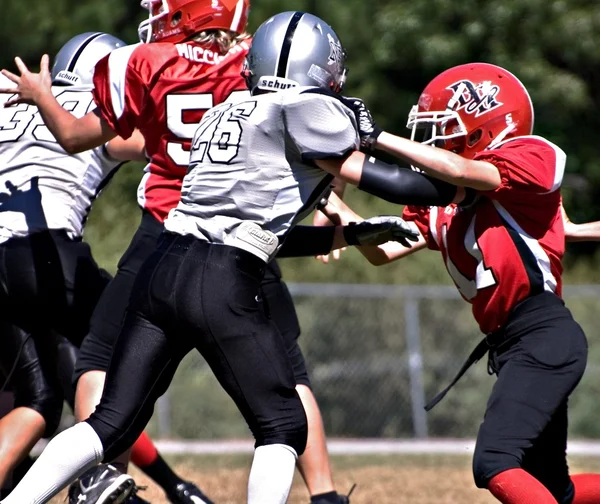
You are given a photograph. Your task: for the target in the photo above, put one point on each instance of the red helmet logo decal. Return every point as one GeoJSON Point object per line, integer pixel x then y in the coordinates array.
{"type": "Point", "coordinates": [478, 99]}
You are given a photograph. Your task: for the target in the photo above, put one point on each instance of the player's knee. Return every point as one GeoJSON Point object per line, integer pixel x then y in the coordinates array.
{"type": "Point", "coordinates": [296, 439]}
{"type": "Point", "coordinates": [292, 432]}
{"type": "Point", "coordinates": [118, 428]}
{"type": "Point", "coordinates": [46, 401]}
{"type": "Point", "coordinates": [488, 462]}
{"type": "Point", "coordinates": [116, 438]}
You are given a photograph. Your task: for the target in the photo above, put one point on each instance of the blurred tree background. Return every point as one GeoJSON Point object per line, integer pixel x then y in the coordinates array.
{"type": "Point", "coordinates": [395, 47]}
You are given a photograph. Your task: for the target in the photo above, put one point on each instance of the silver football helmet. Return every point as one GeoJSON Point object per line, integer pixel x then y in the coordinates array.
{"type": "Point", "coordinates": [295, 49]}
{"type": "Point", "coordinates": [74, 64]}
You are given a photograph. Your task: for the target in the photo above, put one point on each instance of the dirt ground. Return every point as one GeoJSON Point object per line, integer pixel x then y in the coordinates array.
{"type": "Point", "coordinates": [380, 480]}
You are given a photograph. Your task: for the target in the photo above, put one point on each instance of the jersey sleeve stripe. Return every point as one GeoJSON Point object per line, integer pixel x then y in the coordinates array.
{"type": "Point", "coordinates": [433, 215]}
{"type": "Point", "coordinates": [560, 157]}
{"type": "Point", "coordinates": [559, 170]}
{"type": "Point", "coordinates": [237, 17]}
{"type": "Point", "coordinates": [542, 259]}
{"type": "Point", "coordinates": [117, 68]}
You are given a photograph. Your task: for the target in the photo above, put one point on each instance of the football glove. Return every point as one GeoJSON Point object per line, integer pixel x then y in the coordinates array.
{"type": "Point", "coordinates": [367, 127]}
{"type": "Point", "coordinates": [381, 229]}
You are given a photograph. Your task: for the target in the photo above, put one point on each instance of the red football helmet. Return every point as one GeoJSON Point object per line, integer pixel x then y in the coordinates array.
{"type": "Point", "coordinates": [176, 20]}
{"type": "Point", "coordinates": [469, 108]}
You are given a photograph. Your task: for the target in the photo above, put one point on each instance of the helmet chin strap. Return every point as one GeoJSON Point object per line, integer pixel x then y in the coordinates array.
{"type": "Point", "coordinates": [501, 136]}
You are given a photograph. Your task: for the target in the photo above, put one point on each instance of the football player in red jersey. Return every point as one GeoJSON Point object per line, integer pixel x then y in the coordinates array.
{"type": "Point", "coordinates": [503, 249]}
{"type": "Point", "coordinates": [197, 48]}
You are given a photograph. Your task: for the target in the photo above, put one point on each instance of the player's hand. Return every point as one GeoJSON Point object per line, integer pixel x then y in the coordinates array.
{"type": "Point", "coordinates": [321, 219]}
{"type": "Point", "coordinates": [367, 127]}
{"type": "Point", "coordinates": [381, 229]}
{"type": "Point", "coordinates": [335, 255]}
{"type": "Point", "coordinates": [30, 86]}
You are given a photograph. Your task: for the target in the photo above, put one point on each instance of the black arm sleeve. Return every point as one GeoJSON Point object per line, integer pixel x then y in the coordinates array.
{"type": "Point", "coordinates": [403, 185]}
{"type": "Point", "coordinates": [307, 241]}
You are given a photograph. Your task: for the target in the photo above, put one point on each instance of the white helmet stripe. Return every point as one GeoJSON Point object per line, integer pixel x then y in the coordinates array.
{"type": "Point", "coordinates": [237, 17]}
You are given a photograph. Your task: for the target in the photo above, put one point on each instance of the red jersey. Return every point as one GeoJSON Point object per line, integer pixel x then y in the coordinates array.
{"type": "Point", "coordinates": [163, 89]}
{"type": "Point", "coordinates": [509, 244]}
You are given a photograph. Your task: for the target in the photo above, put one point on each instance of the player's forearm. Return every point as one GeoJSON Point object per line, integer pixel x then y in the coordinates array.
{"type": "Point", "coordinates": [393, 183]}
{"type": "Point", "coordinates": [73, 134]}
{"type": "Point", "coordinates": [62, 124]}
{"type": "Point", "coordinates": [341, 214]}
{"type": "Point", "coordinates": [132, 149]}
{"type": "Point", "coordinates": [306, 241]}
{"type": "Point", "coordinates": [442, 164]}
{"type": "Point", "coordinates": [303, 241]}
{"type": "Point", "coordinates": [339, 187]}
{"type": "Point", "coordinates": [589, 231]}
{"type": "Point", "coordinates": [407, 187]}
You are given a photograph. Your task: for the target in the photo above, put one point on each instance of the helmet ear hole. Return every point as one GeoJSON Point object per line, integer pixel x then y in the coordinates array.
{"type": "Point", "coordinates": [474, 137]}
{"type": "Point", "coordinates": [176, 19]}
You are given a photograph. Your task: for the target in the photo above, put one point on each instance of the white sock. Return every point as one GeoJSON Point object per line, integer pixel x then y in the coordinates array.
{"type": "Point", "coordinates": [65, 458]}
{"type": "Point", "coordinates": [271, 474]}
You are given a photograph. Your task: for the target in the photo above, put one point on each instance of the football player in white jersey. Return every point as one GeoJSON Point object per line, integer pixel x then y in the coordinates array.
{"type": "Point", "coordinates": [254, 174]}
{"type": "Point", "coordinates": [51, 190]}
{"type": "Point", "coordinates": [49, 279]}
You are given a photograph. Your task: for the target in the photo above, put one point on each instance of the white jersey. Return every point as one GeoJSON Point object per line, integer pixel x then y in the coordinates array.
{"type": "Point", "coordinates": [41, 186]}
{"type": "Point", "coordinates": [251, 176]}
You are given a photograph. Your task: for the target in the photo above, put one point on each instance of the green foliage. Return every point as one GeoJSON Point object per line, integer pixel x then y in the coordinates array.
{"type": "Point", "coordinates": [395, 47]}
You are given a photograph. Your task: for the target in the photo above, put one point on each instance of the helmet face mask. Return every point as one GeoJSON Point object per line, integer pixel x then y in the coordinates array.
{"type": "Point", "coordinates": [295, 49]}
{"type": "Point", "coordinates": [177, 20]}
{"type": "Point", "coordinates": [435, 128]}
{"type": "Point", "coordinates": [157, 10]}
{"type": "Point", "coordinates": [472, 107]}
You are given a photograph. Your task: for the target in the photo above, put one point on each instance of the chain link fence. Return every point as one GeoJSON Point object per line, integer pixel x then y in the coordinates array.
{"type": "Point", "coordinates": [376, 354]}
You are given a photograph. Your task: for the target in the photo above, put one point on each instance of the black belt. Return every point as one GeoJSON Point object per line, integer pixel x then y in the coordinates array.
{"type": "Point", "coordinates": [528, 309]}
{"type": "Point", "coordinates": [492, 340]}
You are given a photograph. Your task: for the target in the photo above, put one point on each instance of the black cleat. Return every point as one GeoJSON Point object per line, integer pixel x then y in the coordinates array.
{"type": "Point", "coordinates": [188, 493]}
{"type": "Point", "coordinates": [333, 497]}
{"type": "Point", "coordinates": [103, 484]}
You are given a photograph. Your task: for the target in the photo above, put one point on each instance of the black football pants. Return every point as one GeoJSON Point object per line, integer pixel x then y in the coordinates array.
{"type": "Point", "coordinates": [191, 294]}
{"type": "Point", "coordinates": [106, 321]}
{"type": "Point", "coordinates": [525, 424]}
{"type": "Point", "coordinates": [49, 285]}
